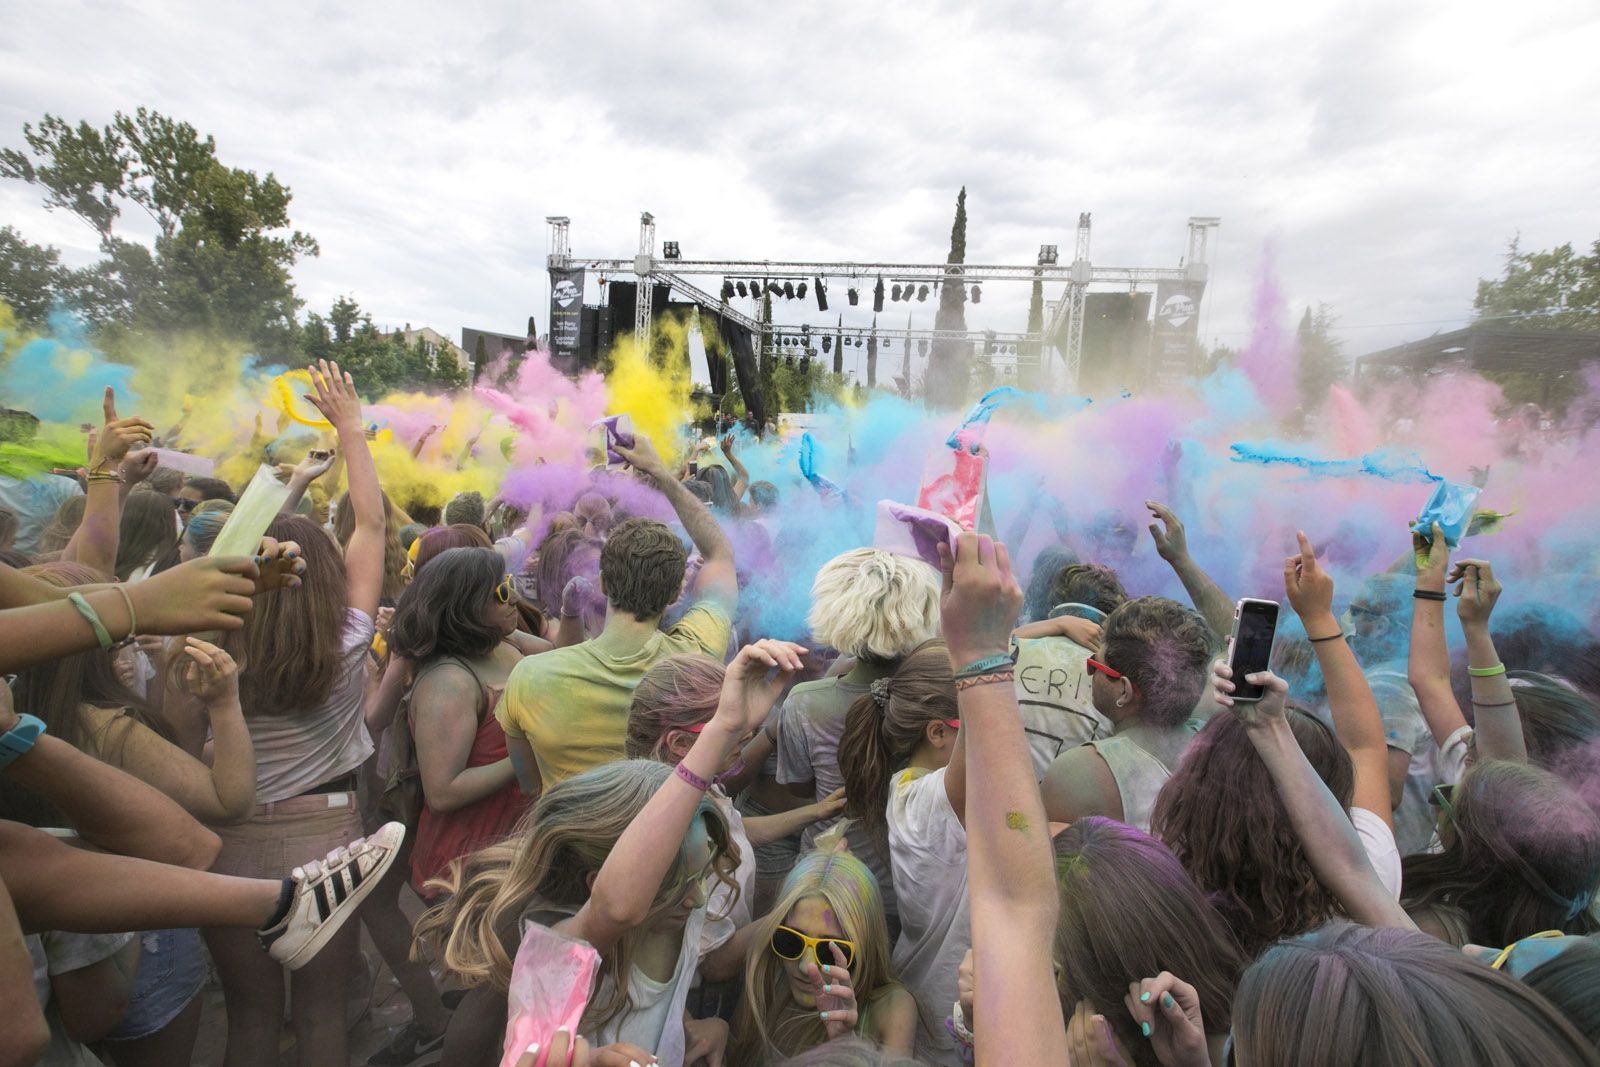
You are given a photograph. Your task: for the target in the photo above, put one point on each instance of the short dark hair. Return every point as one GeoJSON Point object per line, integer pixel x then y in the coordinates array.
{"type": "Point", "coordinates": [211, 488]}
{"type": "Point", "coordinates": [466, 509]}
{"type": "Point", "coordinates": [441, 611]}
{"type": "Point", "coordinates": [642, 567]}
{"type": "Point", "coordinates": [1088, 583]}
{"type": "Point", "coordinates": [1164, 648]}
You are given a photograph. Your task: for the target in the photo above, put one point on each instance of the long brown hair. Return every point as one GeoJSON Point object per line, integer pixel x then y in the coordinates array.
{"type": "Point", "coordinates": [1128, 911]}
{"type": "Point", "coordinates": [148, 531]}
{"type": "Point", "coordinates": [292, 643]}
{"type": "Point", "coordinates": [1221, 815]}
{"type": "Point", "coordinates": [1384, 997]}
{"type": "Point", "coordinates": [1524, 856]}
{"type": "Point", "coordinates": [546, 864]}
{"type": "Point", "coordinates": [883, 728]}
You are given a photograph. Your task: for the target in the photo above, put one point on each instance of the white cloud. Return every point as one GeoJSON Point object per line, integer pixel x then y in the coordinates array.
{"type": "Point", "coordinates": [1386, 151]}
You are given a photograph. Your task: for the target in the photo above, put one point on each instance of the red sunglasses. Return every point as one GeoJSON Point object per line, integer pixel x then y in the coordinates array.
{"type": "Point", "coordinates": [1096, 667]}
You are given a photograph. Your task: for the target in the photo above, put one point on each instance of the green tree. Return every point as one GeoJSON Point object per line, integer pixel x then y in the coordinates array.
{"type": "Point", "coordinates": [1320, 359]}
{"type": "Point", "coordinates": [224, 247]}
{"type": "Point", "coordinates": [31, 276]}
{"type": "Point", "coordinates": [949, 364]}
{"type": "Point", "coordinates": [1554, 289]}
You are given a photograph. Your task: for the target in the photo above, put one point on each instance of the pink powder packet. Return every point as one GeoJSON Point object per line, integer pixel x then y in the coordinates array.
{"type": "Point", "coordinates": [551, 980]}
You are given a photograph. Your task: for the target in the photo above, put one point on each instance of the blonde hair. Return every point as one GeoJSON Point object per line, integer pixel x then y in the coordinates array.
{"type": "Point", "coordinates": [545, 865]}
{"type": "Point", "coordinates": [765, 1030]}
{"type": "Point", "coordinates": [873, 604]}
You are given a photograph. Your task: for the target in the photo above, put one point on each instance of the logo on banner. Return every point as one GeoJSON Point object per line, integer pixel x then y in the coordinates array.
{"type": "Point", "coordinates": [565, 293]}
{"type": "Point", "coordinates": [1177, 310]}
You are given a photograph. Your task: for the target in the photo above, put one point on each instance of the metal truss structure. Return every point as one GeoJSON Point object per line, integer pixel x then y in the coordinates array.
{"type": "Point", "coordinates": [1065, 315]}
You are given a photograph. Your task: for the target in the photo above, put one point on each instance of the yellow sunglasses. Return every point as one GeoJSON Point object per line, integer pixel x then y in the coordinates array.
{"type": "Point", "coordinates": [791, 945]}
{"type": "Point", "coordinates": [506, 591]}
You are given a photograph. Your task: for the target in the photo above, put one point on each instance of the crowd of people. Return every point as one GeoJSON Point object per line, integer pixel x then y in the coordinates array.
{"type": "Point", "coordinates": [586, 816]}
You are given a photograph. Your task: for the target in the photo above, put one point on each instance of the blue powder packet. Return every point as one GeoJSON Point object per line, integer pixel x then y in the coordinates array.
{"type": "Point", "coordinates": [1451, 507]}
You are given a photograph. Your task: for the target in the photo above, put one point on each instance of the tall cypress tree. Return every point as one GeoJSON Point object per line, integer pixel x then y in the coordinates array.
{"type": "Point", "coordinates": [872, 355]}
{"type": "Point", "coordinates": [951, 359]}
{"type": "Point", "coordinates": [838, 348]}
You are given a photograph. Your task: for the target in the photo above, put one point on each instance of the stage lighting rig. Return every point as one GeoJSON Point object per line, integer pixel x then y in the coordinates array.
{"type": "Point", "coordinates": [822, 294]}
{"type": "Point", "coordinates": [669, 250]}
{"type": "Point", "coordinates": [1048, 255]}
{"type": "Point", "coordinates": [977, 295]}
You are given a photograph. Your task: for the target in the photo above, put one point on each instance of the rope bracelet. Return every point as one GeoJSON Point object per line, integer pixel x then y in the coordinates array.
{"type": "Point", "coordinates": [985, 679]}
{"type": "Point", "coordinates": [93, 617]}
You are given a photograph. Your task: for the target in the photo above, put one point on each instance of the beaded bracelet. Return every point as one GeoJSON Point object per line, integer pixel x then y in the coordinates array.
{"type": "Point", "coordinates": [984, 679]}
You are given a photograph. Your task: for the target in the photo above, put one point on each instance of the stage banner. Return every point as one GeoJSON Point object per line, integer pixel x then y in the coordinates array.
{"type": "Point", "coordinates": [566, 315]}
{"type": "Point", "coordinates": [1174, 342]}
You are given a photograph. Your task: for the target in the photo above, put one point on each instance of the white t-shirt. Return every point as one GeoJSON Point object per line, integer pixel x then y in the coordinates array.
{"type": "Point", "coordinates": [1382, 852]}
{"type": "Point", "coordinates": [656, 1021]}
{"type": "Point", "coordinates": [928, 851]}
{"type": "Point", "coordinates": [1054, 697]}
{"type": "Point", "coordinates": [54, 953]}
{"type": "Point", "coordinates": [298, 751]}
{"type": "Point", "coordinates": [725, 915]}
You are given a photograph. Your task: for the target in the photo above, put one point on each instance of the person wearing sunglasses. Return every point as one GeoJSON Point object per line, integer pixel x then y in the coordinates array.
{"type": "Point", "coordinates": [905, 775]}
{"type": "Point", "coordinates": [1148, 677]}
{"type": "Point", "coordinates": [820, 968]}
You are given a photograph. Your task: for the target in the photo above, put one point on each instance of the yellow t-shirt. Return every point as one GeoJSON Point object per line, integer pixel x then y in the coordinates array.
{"type": "Point", "coordinates": [571, 704]}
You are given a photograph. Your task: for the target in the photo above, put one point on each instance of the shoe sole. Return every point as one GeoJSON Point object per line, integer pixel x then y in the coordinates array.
{"type": "Point", "coordinates": [343, 914]}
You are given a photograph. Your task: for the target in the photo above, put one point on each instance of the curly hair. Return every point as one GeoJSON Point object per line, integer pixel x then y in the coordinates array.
{"type": "Point", "coordinates": [1088, 583]}
{"type": "Point", "coordinates": [1163, 647]}
{"type": "Point", "coordinates": [874, 605]}
{"type": "Point", "coordinates": [642, 567]}
{"type": "Point", "coordinates": [1221, 815]}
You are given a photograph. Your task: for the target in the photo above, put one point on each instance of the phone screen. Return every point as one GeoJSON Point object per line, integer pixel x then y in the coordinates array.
{"type": "Point", "coordinates": [1254, 624]}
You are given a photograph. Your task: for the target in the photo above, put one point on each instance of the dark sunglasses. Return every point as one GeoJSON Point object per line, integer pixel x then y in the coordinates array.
{"type": "Point", "coordinates": [184, 505]}
{"type": "Point", "coordinates": [1096, 667]}
{"type": "Point", "coordinates": [790, 944]}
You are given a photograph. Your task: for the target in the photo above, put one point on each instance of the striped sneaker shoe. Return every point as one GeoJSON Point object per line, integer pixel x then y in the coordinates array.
{"type": "Point", "coordinates": [327, 893]}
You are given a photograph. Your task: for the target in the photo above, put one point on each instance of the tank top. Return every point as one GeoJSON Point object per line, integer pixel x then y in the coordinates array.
{"type": "Point", "coordinates": [1139, 777]}
{"type": "Point", "coordinates": [450, 835]}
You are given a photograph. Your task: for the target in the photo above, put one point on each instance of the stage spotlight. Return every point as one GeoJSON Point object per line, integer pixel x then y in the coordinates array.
{"type": "Point", "coordinates": [788, 290]}
{"type": "Point", "coordinates": [727, 290]}
{"type": "Point", "coordinates": [800, 290]}
{"type": "Point", "coordinates": [1048, 255]}
{"type": "Point", "coordinates": [822, 294]}
{"type": "Point", "coordinates": [755, 288]}
{"type": "Point", "coordinates": [788, 361]}
{"type": "Point", "coordinates": [922, 294]}
{"type": "Point", "coordinates": [853, 295]}
{"type": "Point", "coordinates": [977, 295]}
{"type": "Point", "coordinates": [887, 344]}
{"type": "Point", "coordinates": [894, 292]}
{"type": "Point", "coordinates": [669, 250]}
{"type": "Point", "coordinates": [827, 344]}
{"type": "Point", "coordinates": [742, 290]}
{"type": "Point", "coordinates": [877, 295]}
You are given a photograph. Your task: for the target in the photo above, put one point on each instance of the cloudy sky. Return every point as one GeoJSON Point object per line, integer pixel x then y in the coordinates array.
{"type": "Point", "coordinates": [1384, 152]}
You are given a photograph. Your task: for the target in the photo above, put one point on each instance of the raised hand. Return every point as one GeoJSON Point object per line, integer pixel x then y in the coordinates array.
{"type": "Point", "coordinates": [208, 673]}
{"type": "Point", "coordinates": [835, 993]}
{"type": "Point", "coordinates": [980, 599]}
{"type": "Point", "coordinates": [137, 466]}
{"type": "Point", "coordinates": [209, 593]}
{"type": "Point", "coordinates": [1167, 1010]}
{"type": "Point", "coordinates": [1309, 587]}
{"type": "Point", "coordinates": [642, 457]}
{"type": "Point", "coordinates": [1433, 559]}
{"type": "Point", "coordinates": [1478, 591]}
{"type": "Point", "coordinates": [1172, 544]}
{"type": "Point", "coordinates": [318, 461]}
{"type": "Point", "coordinates": [117, 436]}
{"type": "Point", "coordinates": [281, 564]}
{"type": "Point", "coordinates": [753, 683]}
{"type": "Point", "coordinates": [1269, 708]}
{"type": "Point", "coordinates": [335, 396]}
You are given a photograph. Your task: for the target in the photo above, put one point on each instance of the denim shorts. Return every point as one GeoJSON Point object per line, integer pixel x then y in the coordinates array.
{"type": "Point", "coordinates": [172, 970]}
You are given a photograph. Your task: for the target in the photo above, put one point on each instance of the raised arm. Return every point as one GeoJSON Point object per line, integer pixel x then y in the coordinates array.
{"type": "Point", "coordinates": [1356, 720]}
{"type": "Point", "coordinates": [1172, 545]}
{"type": "Point", "coordinates": [631, 876]}
{"type": "Point", "coordinates": [741, 477]}
{"type": "Point", "coordinates": [1428, 659]}
{"type": "Point", "coordinates": [1497, 725]}
{"type": "Point", "coordinates": [716, 580]}
{"type": "Point", "coordinates": [109, 809]}
{"type": "Point", "coordinates": [1324, 828]}
{"type": "Point", "coordinates": [363, 557]}
{"type": "Point", "coordinates": [94, 543]}
{"type": "Point", "coordinates": [1010, 875]}
{"type": "Point", "coordinates": [318, 461]}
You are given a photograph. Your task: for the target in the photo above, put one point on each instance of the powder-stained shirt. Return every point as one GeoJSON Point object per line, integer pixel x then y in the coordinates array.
{"type": "Point", "coordinates": [1054, 697]}
{"type": "Point", "coordinates": [810, 724]}
{"type": "Point", "coordinates": [571, 704]}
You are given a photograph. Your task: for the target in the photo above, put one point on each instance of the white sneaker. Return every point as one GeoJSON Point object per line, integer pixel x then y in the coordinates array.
{"type": "Point", "coordinates": [327, 893]}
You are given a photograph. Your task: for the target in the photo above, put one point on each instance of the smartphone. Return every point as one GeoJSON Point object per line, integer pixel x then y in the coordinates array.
{"type": "Point", "coordinates": [1255, 623]}
{"type": "Point", "coordinates": [694, 468]}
